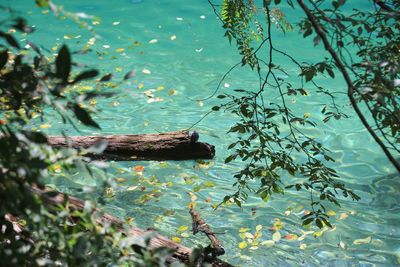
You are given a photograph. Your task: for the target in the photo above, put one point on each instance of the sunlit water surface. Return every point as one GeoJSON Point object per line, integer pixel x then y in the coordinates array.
{"type": "Point", "coordinates": [178, 49]}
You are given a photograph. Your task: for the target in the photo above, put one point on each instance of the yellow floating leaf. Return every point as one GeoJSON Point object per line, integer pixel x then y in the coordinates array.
{"type": "Point", "coordinates": [208, 184]}
{"type": "Point", "coordinates": [185, 234]}
{"type": "Point", "coordinates": [366, 240]}
{"type": "Point", "coordinates": [258, 228]}
{"type": "Point", "coordinates": [138, 168]}
{"type": "Point", "coordinates": [303, 246]}
{"type": "Point", "coordinates": [287, 212]}
{"type": "Point", "coordinates": [276, 236]}
{"type": "Point", "coordinates": [244, 230]}
{"type": "Point", "coordinates": [176, 239]}
{"type": "Point", "coordinates": [120, 50]}
{"type": "Point", "coordinates": [173, 37]}
{"type": "Point", "coordinates": [93, 102]}
{"type": "Point", "coordinates": [182, 228]}
{"type": "Point", "coordinates": [45, 126]}
{"type": "Point", "coordinates": [159, 88]}
{"type": "Point", "coordinates": [140, 85]}
{"type": "Point", "coordinates": [132, 188]}
{"type": "Point", "coordinates": [306, 115]}
{"type": "Point", "coordinates": [130, 220]}
{"type": "Point", "coordinates": [268, 243]}
{"type": "Point", "coordinates": [242, 245]}
{"type": "Point", "coordinates": [208, 200]}
{"type": "Point", "coordinates": [331, 213]}
{"type": "Point", "coordinates": [253, 248]}
{"type": "Point", "coordinates": [116, 104]}
{"type": "Point", "coordinates": [118, 69]}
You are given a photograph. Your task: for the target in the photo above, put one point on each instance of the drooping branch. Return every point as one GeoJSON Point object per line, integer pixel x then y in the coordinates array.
{"type": "Point", "coordinates": [350, 86]}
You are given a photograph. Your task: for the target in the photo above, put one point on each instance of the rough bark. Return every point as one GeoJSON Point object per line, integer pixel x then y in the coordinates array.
{"type": "Point", "coordinates": [163, 146]}
{"type": "Point", "coordinates": [181, 253]}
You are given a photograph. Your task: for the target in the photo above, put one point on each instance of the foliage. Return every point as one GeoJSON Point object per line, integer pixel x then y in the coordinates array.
{"type": "Point", "coordinates": [272, 137]}
{"type": "Point", "coordinates": [33, 233]}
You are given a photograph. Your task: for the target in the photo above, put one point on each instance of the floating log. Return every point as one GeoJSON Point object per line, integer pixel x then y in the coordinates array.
{"type": "Point", "coordinates": [181, 253]}
{"type": "Point", "coordinates": [163, 146]}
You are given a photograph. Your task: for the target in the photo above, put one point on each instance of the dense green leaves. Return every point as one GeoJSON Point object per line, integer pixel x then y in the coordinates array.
{"type": "Point", "coordinates": [84, 116]}
{"type": "Point", "coordinates": [63, 64]}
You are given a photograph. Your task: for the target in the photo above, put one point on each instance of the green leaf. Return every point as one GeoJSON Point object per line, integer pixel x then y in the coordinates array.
{"type": "Point", "coordinates": [86, 75]}
{"type": "Point", "coordinates": [129, 75]}
{"type": "Point", "coordinates": [319, 223]}
{"type": "Point", "coordinates": [42, 3]}
{"type": "Point", "coordinates": [10, 39]}
{"type": "Point", "coordinates": [84, 116]}
{"type": "Point", "coordinates": [106, 77]}
{"type": "Point", "coordinates": [307, 221]}
{"type": "Point", "coordinates": [63, 64]}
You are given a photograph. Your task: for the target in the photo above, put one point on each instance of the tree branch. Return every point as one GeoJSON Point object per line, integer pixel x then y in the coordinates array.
{"type": "Point", "coordinates": [350, 86]}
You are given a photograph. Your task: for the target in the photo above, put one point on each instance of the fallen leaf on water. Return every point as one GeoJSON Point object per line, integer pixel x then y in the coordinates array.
{"type": "Point", "coordinates": [153, 41]}
{"type": "Point", "coordinates": [172, 92]}
{"type": "Point", "coordinates": [244, 230]}
{"type": "Point", "coordinates": [130, 220]}
{"type": "Point", "coordinates": [366, 240]}
{"type": "Point", "coordinates": [157, 99]}
{"type": "Point", "coordinates": [182, 228]}
{"type": "Point", "coordinates": [291, 237]}
{"type": "Point", "coordinates": [146, 71]}
{"type": "Point", "coordinates": [45, 126]}
{"type": "Point", "coordinates": [276, 236]}
{"type": "Point", "coordinates": [138, 168]}
{"type": "Point", "coordinates": [120, 179]}
{"type": "Point", "coordinates": [343, 216]}
{"type": "Point", "coordinates": [132, 188]}
{"type": "Point", "coordinates": [115, 23]}
{"type": "Point", "coordinates": [268, 243]}
{"type": "Point", "coordinates": [185, 234]}
{"type": "Point", "coordinates": [331, 213]}
{"type": "Point", "coordinates": [242, 245]}
{"type": "Point", "coordinates": [120, 50]}
{"type": "Point", "coordinates": [258, 228]}
{"type": "Point", "coordinates": [173, 37]}
{"type": "Point", "coordinates": [140, 85]}
{"type": "Point", "coordinates": [303, 246]}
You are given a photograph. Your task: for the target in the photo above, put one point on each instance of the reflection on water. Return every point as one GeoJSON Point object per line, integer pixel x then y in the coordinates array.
{"type": "Point", "coordinates": [188, 66]}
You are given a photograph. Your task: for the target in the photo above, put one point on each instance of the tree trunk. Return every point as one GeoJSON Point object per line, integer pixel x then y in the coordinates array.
{"type": "Point", "coordinates": [163, 146]}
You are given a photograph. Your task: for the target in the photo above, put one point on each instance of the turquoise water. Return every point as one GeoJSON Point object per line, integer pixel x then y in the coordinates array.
{"type": "Point", "coordinates": [178, 50]}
